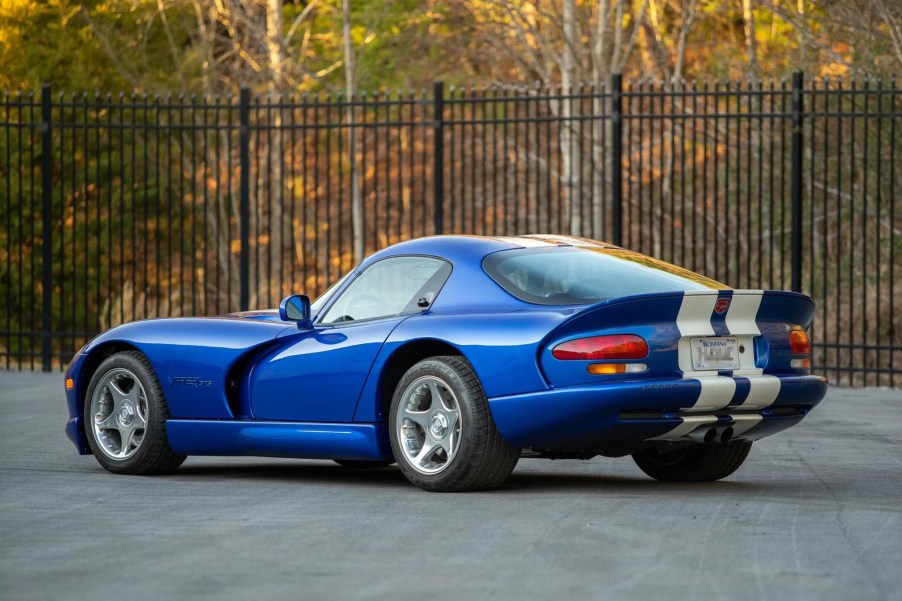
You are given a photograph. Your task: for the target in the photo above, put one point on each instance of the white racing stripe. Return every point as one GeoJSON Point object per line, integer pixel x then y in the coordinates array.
{"type": "Point", "coordinates": [744, 423]}
{"type": "Point", "coordinates": [764, 391]}
{"type": "Point", "coordinates": [741, 320]}
{"type": "Point", "coordinates": [524, 242]}
{"type": "Point", "coordinates": [717, 392]}
{"type": "Point", "coordinates": [743, 310]}
{"type": "Point", "coordinates": [694, 319]}
{"type": "Point", "coordinates": [690, 423]}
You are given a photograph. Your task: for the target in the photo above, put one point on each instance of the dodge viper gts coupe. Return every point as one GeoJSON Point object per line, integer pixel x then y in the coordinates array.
{"type": "Point", "coordinates": [454, 356]}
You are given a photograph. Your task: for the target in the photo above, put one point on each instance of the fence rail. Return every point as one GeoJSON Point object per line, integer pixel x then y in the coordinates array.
{"type": "Point", "coordinates": [118, 208]}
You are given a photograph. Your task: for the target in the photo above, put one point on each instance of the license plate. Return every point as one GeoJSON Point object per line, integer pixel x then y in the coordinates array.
{"type": "Point", "coordinates": [720, 352]}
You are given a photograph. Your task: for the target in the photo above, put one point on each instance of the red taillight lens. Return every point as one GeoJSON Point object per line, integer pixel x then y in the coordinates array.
{"type": "Point", "coordinates": [799, 342]}
{"type": "Point", "coordinates": [616, 346]}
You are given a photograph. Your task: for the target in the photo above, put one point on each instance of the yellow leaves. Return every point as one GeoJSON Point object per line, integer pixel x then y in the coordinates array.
{"type": "Point", "coordinates": [67, 16]}
{"type": "Point", "coordinates": [7, 7]}
{"type": "Point", "coordinates": [360, 36]}
{"type": "Point", "coordinates": [834, 70]}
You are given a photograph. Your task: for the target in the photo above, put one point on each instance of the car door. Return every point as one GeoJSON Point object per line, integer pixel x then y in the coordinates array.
{"type": "Point", "coordinates": [317, 376]}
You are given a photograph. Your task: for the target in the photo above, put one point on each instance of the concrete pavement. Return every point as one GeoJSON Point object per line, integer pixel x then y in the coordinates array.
{"type": "Point", "coordinates": [815, 513]}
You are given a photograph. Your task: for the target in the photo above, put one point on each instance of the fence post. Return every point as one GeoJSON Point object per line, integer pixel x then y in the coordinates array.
{"type": "Point", "coordinates": [796, 219]}
{"type": "Point", "coordinates": [617, 158]}
{"type": "Point", "coordinates": [438, 155]}
{"type": "Point", "coordinates": [244, 211]}
{"type": "Point", "coordinates": [46, 229]}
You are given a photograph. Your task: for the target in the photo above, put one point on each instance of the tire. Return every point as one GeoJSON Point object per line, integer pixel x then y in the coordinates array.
{"type": "Point", "coordinates": [442, 433]}
{"type": "Point", "coordinates": [125, 404]}
{"type": "Point", "coordinates": [695, 464]}
{"type": "Point", "coordinates": [353, 464]}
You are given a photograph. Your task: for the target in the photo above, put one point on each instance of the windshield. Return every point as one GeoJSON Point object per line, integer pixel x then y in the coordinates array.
{"type": "Point", "coordinates": [579, 275]}
{"type": "Point", "coordinates": [316, 305]}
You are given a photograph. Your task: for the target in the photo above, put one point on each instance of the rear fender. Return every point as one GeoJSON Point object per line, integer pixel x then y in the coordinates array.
{"type": "Point", "coordinates": [500, 347]}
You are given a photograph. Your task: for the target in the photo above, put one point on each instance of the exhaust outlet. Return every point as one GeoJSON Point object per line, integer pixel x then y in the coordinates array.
{"type": "Point", "coordinates": [726, 434]}
{"type": "Point", "coordinates": [703, 435]}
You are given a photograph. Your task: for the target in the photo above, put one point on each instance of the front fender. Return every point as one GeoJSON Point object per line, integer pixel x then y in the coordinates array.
{"type": "Point", "coordinates": [192, 357]}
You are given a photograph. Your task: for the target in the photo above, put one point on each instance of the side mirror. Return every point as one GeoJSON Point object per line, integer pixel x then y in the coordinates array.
{"type": "Point", "coordinates": [296, 308]}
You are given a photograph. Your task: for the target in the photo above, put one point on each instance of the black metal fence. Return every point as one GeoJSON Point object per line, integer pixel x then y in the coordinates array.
{"type": "Point", "coordinates": [122, 208]}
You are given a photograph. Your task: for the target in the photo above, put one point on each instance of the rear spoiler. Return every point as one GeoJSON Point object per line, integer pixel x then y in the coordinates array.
{"type": "Point", "coordinates": [766, 305]}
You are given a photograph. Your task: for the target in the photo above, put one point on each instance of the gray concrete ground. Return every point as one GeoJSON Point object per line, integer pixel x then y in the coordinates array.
{"type": "Point", "coordinates": [815, 513]}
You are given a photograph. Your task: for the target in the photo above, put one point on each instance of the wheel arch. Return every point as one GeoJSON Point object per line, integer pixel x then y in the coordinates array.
{"type": "Point", "coordinates": [92, 361]}
{"type": "Point", "coordinates": [402, 359]}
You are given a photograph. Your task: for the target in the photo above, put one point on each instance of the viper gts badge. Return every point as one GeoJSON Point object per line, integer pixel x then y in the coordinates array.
{"type": "Point", "coordinates": [190, 381]}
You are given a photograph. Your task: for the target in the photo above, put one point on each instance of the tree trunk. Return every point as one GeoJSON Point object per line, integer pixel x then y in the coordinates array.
{"type": "Point", "coordinates": [276, 153]}
{"type": "Point", "coordinates": [751, 45]}
{"type": "Point", "coordinates": [686, 25]}
{"type": "Point", "coordinates": [570, 144]}
{"type": "Point", "coordinates": [350, 88]}
{"type": "Point", "coordinates": [601, 148]}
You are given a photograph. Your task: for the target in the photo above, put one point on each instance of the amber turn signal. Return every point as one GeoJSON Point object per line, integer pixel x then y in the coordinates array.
{"type": "Point", "coordinates": [799, 342]}
{"type": "Point", "coordinates": [70, 383]}
{"type": "Point", "coordinates": [606, 369]}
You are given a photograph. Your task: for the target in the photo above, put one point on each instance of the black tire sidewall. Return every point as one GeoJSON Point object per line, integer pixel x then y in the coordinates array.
{"type": "Point", "coordinates": [154, 405]}
{"type": "Point", "coordinates": [461, 463]}
{"type": "Point", "coordinates": [696, 464]}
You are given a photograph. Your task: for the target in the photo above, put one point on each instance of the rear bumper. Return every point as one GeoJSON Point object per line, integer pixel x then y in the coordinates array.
{"type": "Point", "coordinates": [619, 416]}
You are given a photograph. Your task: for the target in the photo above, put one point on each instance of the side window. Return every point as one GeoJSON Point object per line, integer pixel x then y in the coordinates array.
{"type": "Point", "coordinates": [390, 287]}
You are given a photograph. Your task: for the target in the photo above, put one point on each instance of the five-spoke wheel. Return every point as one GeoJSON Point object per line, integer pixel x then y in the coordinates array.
{"type": "Point", "coordinates": [442, 433]}
{"type": "Point", "coordinates": [125, 417]}
{"type": "Point", "coordinates": [118, 413]}
{"type": "Point", "coordinates": [428, 424]}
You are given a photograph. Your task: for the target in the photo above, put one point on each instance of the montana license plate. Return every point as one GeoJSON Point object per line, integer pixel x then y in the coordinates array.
{"type": "Point", "coordinates": [720, 352]}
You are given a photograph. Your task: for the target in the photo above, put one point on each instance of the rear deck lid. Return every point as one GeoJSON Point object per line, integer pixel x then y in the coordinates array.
{"type": "Point", "coordinates": [689, 334]}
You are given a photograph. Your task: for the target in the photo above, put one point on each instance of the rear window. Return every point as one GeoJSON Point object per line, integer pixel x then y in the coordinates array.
{"type": "Point", "coordinates": [579, 276]}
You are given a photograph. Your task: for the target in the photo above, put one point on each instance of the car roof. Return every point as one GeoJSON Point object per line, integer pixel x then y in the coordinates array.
{"type": "Point", "coordinates": [463, 248]}
{"type": "Point", "coordinates": [469, 287]}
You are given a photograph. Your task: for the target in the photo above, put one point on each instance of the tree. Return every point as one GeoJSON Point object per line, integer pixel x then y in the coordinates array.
{"type": "Point", "coordinates": [350, 94]}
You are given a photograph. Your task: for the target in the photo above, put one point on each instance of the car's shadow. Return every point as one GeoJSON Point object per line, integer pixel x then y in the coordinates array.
{"type": "Point", "coordinates": [519, 482]}
{"type": "Point", "coordinates": [297, 472]}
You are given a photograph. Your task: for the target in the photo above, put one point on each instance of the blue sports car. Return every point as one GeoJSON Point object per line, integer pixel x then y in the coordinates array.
{"type": "Point", "coordinates": [454, 356]}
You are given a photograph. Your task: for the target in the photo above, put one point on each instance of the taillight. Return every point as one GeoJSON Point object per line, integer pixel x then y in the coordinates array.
{"type": "Point", "coordinates": [615, 346]}
{"type": "Point", "coordinates": [799, 342]}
